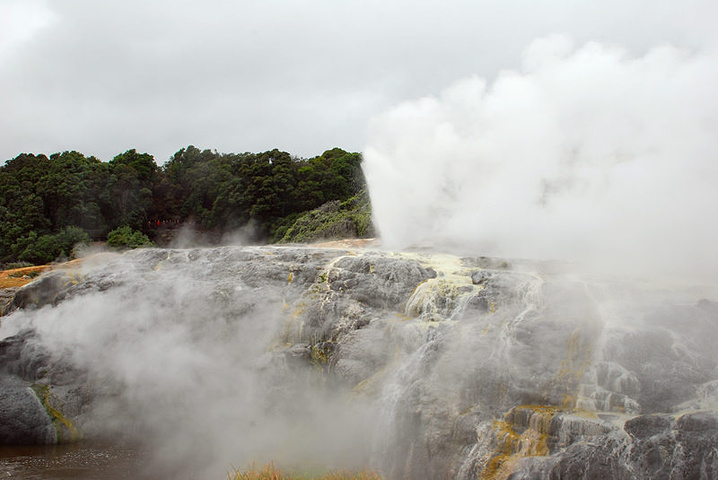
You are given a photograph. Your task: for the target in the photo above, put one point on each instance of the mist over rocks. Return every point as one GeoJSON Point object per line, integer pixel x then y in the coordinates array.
{"type": "Point", "coordinates": [418, 364]}
{"type": "Point", "coordinates": [23, 419]}
{"type": "Point", "coordinates": [38, 393]}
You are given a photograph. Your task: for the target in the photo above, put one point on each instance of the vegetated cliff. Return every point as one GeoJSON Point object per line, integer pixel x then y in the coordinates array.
{"type": "Point", "coordinates": [333, 221]}
{"type": "Point", "coordinates": [421, 365]}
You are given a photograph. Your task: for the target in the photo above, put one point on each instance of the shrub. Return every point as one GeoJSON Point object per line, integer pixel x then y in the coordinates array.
{"type": "Point", "coordinates": [332, 221]}
{"type": "Point", "coordinates": [125, 237]}
{"type": "Point", "coordinates": [48, 248]}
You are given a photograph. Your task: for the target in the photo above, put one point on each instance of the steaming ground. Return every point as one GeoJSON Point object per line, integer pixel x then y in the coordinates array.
{"type": "Point", "coordinates": [586, 154]}
{"type": "Point", "coordinates": [402, 361]}
{"type": "Point", "coordinates": [179, 356]}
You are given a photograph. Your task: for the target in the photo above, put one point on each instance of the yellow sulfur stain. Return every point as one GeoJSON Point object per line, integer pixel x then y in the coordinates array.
{"type": "Point", "coordinates": [58, 419]}
{"type": "Point", "coordinates": [72, 278]}
{"type": "Point", "coordinates": [510, 445]}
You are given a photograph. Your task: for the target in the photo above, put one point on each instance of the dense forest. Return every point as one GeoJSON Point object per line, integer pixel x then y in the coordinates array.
{"type": "Point", "coordinates": [48, 205]}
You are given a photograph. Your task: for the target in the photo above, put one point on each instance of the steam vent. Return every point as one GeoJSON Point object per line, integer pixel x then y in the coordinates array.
{"type": "Point", "coordinates": [417, 365]}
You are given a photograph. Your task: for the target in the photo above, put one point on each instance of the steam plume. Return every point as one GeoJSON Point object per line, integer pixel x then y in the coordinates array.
{"type": "Point", "coordinates": [586, 154]}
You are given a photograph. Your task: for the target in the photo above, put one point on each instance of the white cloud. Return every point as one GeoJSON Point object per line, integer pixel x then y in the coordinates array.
{"type": "Point", "coordinates": [102, 77]}
{"type": "Point", "coordinates": [20, 21]}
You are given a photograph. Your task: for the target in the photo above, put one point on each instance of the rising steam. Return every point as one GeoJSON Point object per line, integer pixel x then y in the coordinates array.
{"type": "Point", "coordinates": [586, 154]}
{"type": "Point", "coordinates": [179, 356]}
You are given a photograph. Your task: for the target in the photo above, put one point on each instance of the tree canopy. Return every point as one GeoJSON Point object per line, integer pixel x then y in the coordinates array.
{"type": "Point", "coordinates": [46, 202]}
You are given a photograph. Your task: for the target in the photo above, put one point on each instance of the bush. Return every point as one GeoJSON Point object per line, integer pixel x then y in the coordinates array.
{"type": "Point", "coordinates": [125, 237]}
{"type": "Point", "coordinates": [334, 220]}
{"type": "Point", "coordinates": [48, 248]}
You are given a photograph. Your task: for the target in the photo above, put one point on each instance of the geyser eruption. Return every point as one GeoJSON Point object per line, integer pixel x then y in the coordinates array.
{"type": "Point", "coordinates": [586, 154]}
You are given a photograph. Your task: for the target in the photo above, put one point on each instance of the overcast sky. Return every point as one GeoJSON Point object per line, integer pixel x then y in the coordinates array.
{"type": "Point", "coordinates": [303, 76]}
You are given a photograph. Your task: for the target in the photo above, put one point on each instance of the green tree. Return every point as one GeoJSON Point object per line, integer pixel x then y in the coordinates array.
{"type": "Point", "coordinates": [22, 210]}
{"type": "Point", "coordinates": [41, 197]}
{"type": "Point", "coordinates": [71, 191]}
{"type": "Point", "coordinates": [267, 182]}
{"type": "Point", "coordinates": [334, 175]}
{"type": "Point", "coordinates": [131, 182]}
{"type": "Point", "coordinates": [194, 180]}
{"type": "Point", "coordinates": [48, 248]}
{"type": "Point", "coordinates": [142, 163]}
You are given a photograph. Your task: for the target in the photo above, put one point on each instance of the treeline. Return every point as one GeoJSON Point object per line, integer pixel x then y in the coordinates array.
{"type": "Point", "coordinates": [47, 205]}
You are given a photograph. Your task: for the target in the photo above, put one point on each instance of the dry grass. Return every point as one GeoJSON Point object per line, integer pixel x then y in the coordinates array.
{"type": "Point", "coordinates": [17, 277]}
{"type": "Point", "coordinates": [272, 472]}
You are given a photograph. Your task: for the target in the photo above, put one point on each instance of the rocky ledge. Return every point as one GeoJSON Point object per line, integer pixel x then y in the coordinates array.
{"type": "Point", "coordinates": [472, 367]}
